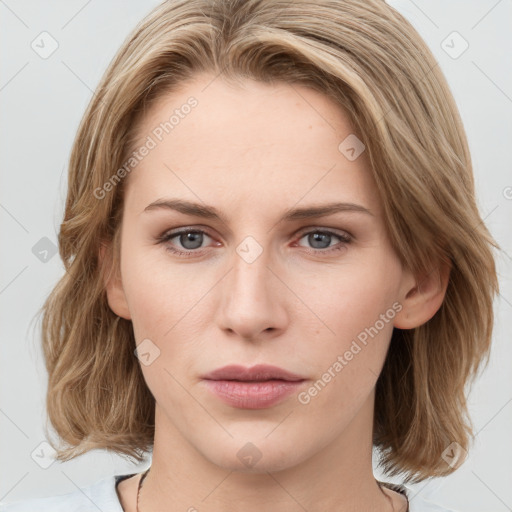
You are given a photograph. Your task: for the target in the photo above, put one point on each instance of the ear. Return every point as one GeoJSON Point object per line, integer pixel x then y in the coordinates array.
{"type": "Point", "coordinates": [113, 282]}
{"type": "Point", "coordinates": [422, 296]}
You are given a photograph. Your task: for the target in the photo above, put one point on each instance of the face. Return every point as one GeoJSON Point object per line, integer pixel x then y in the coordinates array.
{"type": "Point", "coordinates": [264, 282]}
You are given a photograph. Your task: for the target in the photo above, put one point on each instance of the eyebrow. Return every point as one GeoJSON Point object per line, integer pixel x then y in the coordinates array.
{"type": "Point", "coordinates": [209, 212]}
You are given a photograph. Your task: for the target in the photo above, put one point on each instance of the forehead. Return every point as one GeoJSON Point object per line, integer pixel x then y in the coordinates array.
{"type": "Point", "coordinates": [278, 142]}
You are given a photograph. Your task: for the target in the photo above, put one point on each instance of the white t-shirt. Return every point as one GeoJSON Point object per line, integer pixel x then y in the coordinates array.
{"type": "Point", "coordinates": [102, 496]}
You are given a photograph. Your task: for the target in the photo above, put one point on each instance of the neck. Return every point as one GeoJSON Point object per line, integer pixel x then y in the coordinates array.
{"type": "Point", "coordinates": [338, 476]}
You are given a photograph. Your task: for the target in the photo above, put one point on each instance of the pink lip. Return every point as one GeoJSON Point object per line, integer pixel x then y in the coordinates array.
{"type": "Point", "coordinates": [252, 388]}
{"type": "Point", "coordinates": [260, 372]}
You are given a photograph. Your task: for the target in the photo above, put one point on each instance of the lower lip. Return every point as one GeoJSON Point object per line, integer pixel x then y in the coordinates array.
{"type": "Point", "coordinates": [253, 395]}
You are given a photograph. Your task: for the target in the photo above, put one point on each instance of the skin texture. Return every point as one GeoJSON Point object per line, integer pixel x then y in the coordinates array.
{"type": "Point", "coordinates": [253, 152]}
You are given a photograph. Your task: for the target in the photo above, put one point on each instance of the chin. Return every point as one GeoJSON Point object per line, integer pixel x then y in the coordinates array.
{"type": "Point", "coordinates": [260, 455]}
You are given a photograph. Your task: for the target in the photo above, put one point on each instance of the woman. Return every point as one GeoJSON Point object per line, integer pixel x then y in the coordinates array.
{"type": "Point", "coordinates": [275, 264]}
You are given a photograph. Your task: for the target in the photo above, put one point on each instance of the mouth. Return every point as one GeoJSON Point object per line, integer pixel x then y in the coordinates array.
{"type": "Point", "coordinates": [259, 387]}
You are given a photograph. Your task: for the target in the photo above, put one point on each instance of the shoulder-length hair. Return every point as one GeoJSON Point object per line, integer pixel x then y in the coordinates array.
{"type": "Point", "coordinates": [370, 60]}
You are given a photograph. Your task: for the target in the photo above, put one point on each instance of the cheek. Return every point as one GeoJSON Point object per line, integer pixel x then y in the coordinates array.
{"type": "Point", "coordinates": [351, 297]}
{"type": "Point", "coordinates": [355, 304]}
{"type": "Point", "coordinates": [158, 293]}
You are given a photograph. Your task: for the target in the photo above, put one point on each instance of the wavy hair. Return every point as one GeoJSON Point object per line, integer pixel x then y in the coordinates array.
{"type": "Point", "coordinates": [369, 59]}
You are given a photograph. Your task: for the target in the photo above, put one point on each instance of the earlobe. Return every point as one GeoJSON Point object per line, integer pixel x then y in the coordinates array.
{"type": "Point", "coordinates": [422, 300]}
{"type": "Point", "coordinates": [113, 283]}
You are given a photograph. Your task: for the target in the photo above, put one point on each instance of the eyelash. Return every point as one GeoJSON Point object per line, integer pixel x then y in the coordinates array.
{"type": "Point", "coordinates": [167, 236]}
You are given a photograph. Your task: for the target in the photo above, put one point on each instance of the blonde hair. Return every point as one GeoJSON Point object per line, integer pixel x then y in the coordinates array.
{"type": "Point", "coordinates": [370, 60]}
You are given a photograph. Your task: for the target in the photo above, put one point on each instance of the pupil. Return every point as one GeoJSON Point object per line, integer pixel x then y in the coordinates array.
{"type": "Point", "coordinates": [318, 237]}
{"type": "Point", "coordinates": [193, 237]}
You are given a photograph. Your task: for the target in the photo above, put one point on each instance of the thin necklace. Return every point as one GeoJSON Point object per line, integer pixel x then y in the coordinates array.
{"type": "Point", "coordinates": [381, 486]}
{"type": "Point", "coordinates": [140, 485]}
{"type": "Point", "coordinates": [382, 491]}
{"type": "Point", "coordinates": [147, 471]}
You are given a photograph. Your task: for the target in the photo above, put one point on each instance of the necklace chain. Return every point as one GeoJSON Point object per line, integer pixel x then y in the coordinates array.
{"type": "Point", "coordinates": [147, 471]}
{"type": "Point", "coordinates": [140, 485]}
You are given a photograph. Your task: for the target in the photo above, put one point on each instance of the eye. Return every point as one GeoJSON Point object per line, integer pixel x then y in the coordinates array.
{"type": "Point", "coordinates": [320, 240]}
{"type": "Point", "coordinates": [188, 241]}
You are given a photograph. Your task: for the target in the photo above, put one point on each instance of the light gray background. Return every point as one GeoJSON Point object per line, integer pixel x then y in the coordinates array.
{"type": "Point", "coordinates": [42, 102]}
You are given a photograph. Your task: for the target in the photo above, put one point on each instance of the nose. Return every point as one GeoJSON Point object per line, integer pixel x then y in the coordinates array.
{"type": "Point", "coordinates": [253, 299]}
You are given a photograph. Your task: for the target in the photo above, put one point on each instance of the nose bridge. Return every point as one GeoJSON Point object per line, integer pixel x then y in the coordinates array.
{"type": "Point", "coordinates": [250, 302]}
{"type": "Point", "coordinates": [250, 269]}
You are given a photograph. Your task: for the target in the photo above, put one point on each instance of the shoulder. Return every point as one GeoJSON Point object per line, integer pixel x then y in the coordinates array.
{"type": "Point", "coordinates": [101, 495]}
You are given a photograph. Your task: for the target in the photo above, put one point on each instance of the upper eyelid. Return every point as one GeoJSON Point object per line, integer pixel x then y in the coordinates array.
{"type": "Point", "coordinates": [306, 229]}
{"type": "Point", "coordinates": [334, 231]}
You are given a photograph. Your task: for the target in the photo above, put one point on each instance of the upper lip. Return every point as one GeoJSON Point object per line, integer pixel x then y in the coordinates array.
{"type": "Point", "coordinates": [260, 372]}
